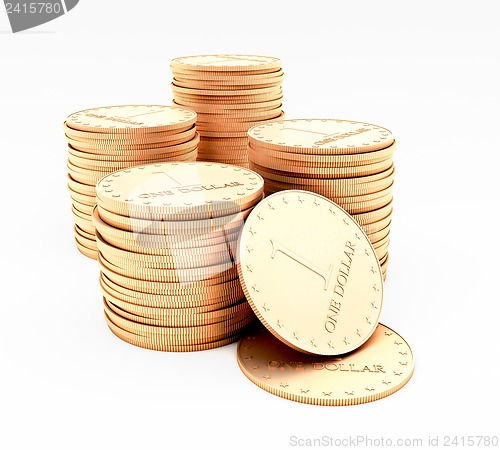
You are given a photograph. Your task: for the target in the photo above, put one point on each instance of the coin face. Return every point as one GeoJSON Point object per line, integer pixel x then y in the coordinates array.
{"type": "Point", "coordinates": [320, 136]}
{"type": "Point", "coordinates": [130, 118]}
{"type": "Point", "coordinates": [382, 366]}
{"type": "Point", "coordinates": [310, 273]}
{"type": "Point", "coordinates": [179, 190]}
{"type": "Point", "coordinates": [219, 63]}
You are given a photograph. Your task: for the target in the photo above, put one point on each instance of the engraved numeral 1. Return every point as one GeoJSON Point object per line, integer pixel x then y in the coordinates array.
{"type": "Point", "coordinates": [325, 274]}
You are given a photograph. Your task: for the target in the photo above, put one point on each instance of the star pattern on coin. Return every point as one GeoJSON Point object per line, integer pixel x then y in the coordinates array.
{"type": "Point", "coordinates": [300, 199]}
{"type": "Point", "coordinates": [279, 324]}
{"type": "Point", "coordinates": [398, 374]}
{"type": "Point", "coordinates": [255, 367]}
{"type": "Point", "coordinates": [285, 200]}
{"type": "Point", "coordinates": [386, 382]}
{"type": "Point", "coordinates": [369, 388]}
{"type": "Point", "coordinates": [349, 392]}
{"type": "Point", "coordinates": [249, 249]}
{"type": "Point", "coordinates": [387, 334]}
{"type": "Point", "coordinates": [330, 344]}
{"type": "Point", "coordinates": [403, 363]}
{"type": "Point", "coordinates": [259, 216]}
{"type": "Point", "coordinates": [249, 268]}
{"type": "Point", "coordinates": [313, 342]}
{"type": "Point", "coordinates": [265, 307]}
{"type": "Point", "coordinates": [358, 332]}
{"type": "Point", "coordinates": [332, 211]}
{"type": "Point", "coordinates": [373, 270]}
{"type": "Point", "coordinates": [345, 341]}
{"type": "Point", "coordinates": [316, 203]}
{"type": "Point", "coordinates": [403, 353]}
{"type": "Point", "coordinates": [368, 318]}
{"type": "Point", "coordinates": [267, 377]}
{"type": "Point", "coordinates": [249, 357]}
{"type": "Point", "coordinates": [252, 231]}
{"type": "Point", "coordinates": [375, 288]}
{"type": "Point", "coordinates": [373, 305]}
{"type": "Point", "coordinates": [255, 288]}
{"type": "Point", "coordinates": [270, 206]}
{"type": "Point", "coordinates": [304, 391]}
{"type": "Point", "coordinates": [345, 222]}
{"type": "Point", "coordinates": [398, 343]}
{"type": "Point", "coordinates": [296, 335]}
{"type": "Point", "coordinates": [357, 236]}
{"type": "Point", "coordinates": [366, 252]}
{"type": "Point", "coordinates": [284, 385]}
{"type": "Point", "coordinates": [327, 394]}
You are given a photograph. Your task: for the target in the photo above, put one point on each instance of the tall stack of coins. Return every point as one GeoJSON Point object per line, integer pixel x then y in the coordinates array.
{"type": "Point", "coordinates": [102, 140]}
{"type": "Point", "coordinates": [314, 280]}
{"type": "Point", "coordinates": [348, 162]}
{"type": "Point", "coordinates": [230, 94]}
{"type": "Point", "coordinates": [166, 235]}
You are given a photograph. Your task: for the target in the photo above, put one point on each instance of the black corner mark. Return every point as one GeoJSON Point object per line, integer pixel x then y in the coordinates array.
{"type": "Point", "coordinates": [24, 15]}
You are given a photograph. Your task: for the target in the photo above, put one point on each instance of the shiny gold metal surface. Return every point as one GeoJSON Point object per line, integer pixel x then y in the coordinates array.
{"type": "Point", "coordinates": [380, 367]}
{"type": "Point", "coordinates": [179, 191]}
{"type": "Point", "coordinates": [310, 273]}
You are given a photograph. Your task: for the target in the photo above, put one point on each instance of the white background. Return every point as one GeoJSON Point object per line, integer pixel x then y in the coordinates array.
{"type": "Point", "coordinates": [426, 70]}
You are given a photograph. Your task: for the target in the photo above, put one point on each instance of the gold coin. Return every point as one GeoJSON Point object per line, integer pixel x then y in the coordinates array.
{"type": "Point", "coordinates": [137, 155]}
{"type": "Point", "coordinates": [239, 116]}
{"type": "Point", "coordinates": [320, 136]}
{"type": "Point", "coordinates": [226, 63]}
{"type": "Point", "coordinates": [297, 245]}
{"type": "Point", "coordinates": [320, 172]}
{"type": "Point", "coordinates": [168, 234]}
{"type": "Point", "coordinates": [233, 99]}
{"type": "Point", "coordinates": [372, 228]}
{"type": "Point", "coordinates": [88, 200]}
{"type": "Point", "coordinates": [224, 86]}
{"type": "Point", "coordinates": [84, 242]}
{"type": "Point", "coordinates": [130, 119]}
{"type": "Point", "coordinates": [375, 237]}
{"type": "Point", "coordinates": [231, 127]}
{"type": "Point", "coordinates": [382, 366]}
{"type": "Point", "coordinates": [81, 208]}
{"type": "Point", "coordinates": [373, 216]}
{"type": "Point", "coordinates": [82, 222]}
{"type": "Point", "coordinates": [168, 275]}
{"type": "Point", "coordinates": [112, 166]}
{"type": "Point", "coordinates": [116, 146]}
{"type": "Point", "coordinates": [308, 160]}
{"type": "Point", "coordinates": [203, 298]}
{"type": "Point", "coordinates": [234, 78]}
{"type": "Point", "coordinates": [81, 188]}
{"type": "Point", "coordinates": [148, 139]}
{"type": "Point", "coordinates": [158, 287]}
{"type": "Point", "coordinates": [230, 107]}
{"type": "Point", "coordinates": [179, 335]}
{"type": "Point", "coordinates": [110, 137]}
{"type": "Point", "coordinates": [139, 341]}
{"type": "Point", "coordinates": [89, 253]}
{"type": "Point", "coordinates": [179, 190]}
{"type": "Point", "coordinates": [257, 91]}
{"type": "Point", "coordinates": [165, 319]}
{"type": "Point", "coordinates": [84, 233]}
{"type": "Point", "coordinates": [175, 305]}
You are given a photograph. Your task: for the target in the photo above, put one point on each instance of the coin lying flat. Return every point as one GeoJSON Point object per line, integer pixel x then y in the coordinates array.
{"type": "Point", "coordinates": [131, 119]}
{"type": "Point", "coordinates": [179, 190]}
{"type": "Point", "coordinates": [310, 273]}
{"type": "Point", "coordinates": [379, 368]}
{"type": "Point", "coordinates": [226, 63]}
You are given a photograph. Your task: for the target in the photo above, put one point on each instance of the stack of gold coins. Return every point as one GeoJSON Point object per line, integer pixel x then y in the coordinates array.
{"type": "Point", "coordinates": [166, 235]}
{"type": "Point", "coordinates": [348, 162]}
{"type": "Point", "coordinates": [230, 94]}
{"type": "Point", "coordinates": [102, 140]}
